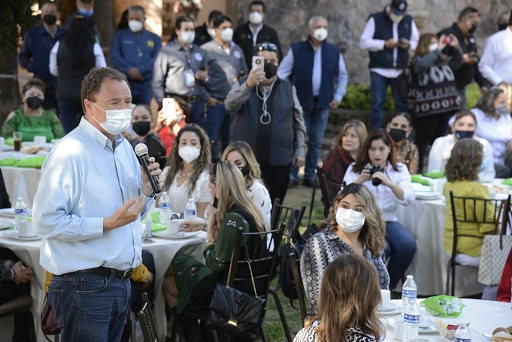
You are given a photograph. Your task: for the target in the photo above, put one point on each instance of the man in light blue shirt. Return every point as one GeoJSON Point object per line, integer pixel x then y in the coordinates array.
{"type": "Point", "coordinates": [133, 52]}
{"type": "Point", "coordinates": [87, 210]}
{"type": "Point", "coordinates": [317, 70]}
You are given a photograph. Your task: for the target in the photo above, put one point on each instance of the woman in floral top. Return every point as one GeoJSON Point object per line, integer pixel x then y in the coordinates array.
{"type": "Point", "coordinates": [32, 119]}
{"type": "Point", "coordinates": [188, 281]}
{"type": "Point", "coordinates": [347, 304]}
{"type": "Point", "coordinates": [354, 226]}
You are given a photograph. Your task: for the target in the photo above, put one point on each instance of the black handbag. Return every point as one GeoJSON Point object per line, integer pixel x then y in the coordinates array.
{"type": "Point", "coordinates": [236, 313]}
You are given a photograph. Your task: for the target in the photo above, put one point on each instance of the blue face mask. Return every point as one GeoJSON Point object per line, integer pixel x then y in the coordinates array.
{"type": "Point", "coordinates": [483, 166]}
{"type": "Point", "coordinates": [86, 13]}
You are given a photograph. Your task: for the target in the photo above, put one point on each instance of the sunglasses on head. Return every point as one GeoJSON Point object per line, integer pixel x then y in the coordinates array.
{"type": "Point", "coordinates": [266, 47]}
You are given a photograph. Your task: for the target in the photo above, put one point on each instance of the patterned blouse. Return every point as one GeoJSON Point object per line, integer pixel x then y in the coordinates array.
{"type": "Point", "coordinates": [320, 250]}
{"type": "Point", "coordinates": [6, 270]}
{"type": "Point", "coordinates": [336, 164]}
{"type": "Point", "coordinates": [352, 334]}
{"type": "Point", "coordinates": [406, 152]}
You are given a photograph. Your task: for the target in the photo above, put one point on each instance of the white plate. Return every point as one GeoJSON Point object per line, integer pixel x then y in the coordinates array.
{"type": "Point", "coordinates": [487, 337]}
{"type": "Point", "coordinates": [428, 327]}
{"type": "Point", "coordinates": [14, 235]}
{"type": "Point", "coordinates": [9, 212]}
{"type": "Point", "coordinates": [392, 310]}
{"type": "Point", "coordinates": [6, 148]}
{"type": "Point", "coordinates": [178, 236]}
{"type": "Point", "coordinates": [6, 224]}
{"type": "Point", "coordinates": [428, 195]}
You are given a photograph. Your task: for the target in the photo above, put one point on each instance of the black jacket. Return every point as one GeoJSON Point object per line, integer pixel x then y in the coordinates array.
{"type": "Point", "coordinates": [243, 37]}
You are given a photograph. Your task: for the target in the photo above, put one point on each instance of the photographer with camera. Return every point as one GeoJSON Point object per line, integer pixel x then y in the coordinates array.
{"type": "Point", "coordinates": [390, 183]}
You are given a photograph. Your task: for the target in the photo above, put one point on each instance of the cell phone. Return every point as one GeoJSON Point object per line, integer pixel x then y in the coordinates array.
{"type": "Point", "coordinates": [257, 62]}
{"type": "Point", "coordinates": [447, 40]}
{"type": "Point", "coordinates": [203, 68]}
{"type": "Point", "coordinates": [168, 107]}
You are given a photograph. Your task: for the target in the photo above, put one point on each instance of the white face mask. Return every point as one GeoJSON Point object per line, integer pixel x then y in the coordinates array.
{"type": "Point", "coordinates": [189, 153]}
{"type": "Point", "coordinates": [211, 32]}
{"type": "Point", "coordinates": [396, 18]}
{"type": "Point", "coordinates": [320, 34]}
{"type": "Point", "coordinates": [226, 35]}
{"type": "Point", "coordinates": [188, 36]}
{"type": "Point", "coordinates": [350, 221]}
{"type": "Point", "coordinates": [433, 47]}
{"type": "Point", "coordinates": [117, 120]}
{"type": "Point", "coordinates": [135, 25]}
{"type": "Point", "coordinates": [255, 18]}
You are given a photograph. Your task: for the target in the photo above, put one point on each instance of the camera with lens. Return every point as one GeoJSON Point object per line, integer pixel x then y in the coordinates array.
{"type": "Point", "coordinates": [373, 169]}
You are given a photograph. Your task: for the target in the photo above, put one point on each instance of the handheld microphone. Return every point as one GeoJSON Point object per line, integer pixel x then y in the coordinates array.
{"type": "Point", "coordinates": [141, 150]}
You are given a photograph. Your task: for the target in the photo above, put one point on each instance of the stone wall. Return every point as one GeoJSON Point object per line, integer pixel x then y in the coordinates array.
{"type": "Point", "coordinates": [347, 19]}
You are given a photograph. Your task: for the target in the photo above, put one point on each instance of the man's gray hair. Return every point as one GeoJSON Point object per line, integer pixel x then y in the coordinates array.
{"type": "Point", "coordinates": [314, 18]}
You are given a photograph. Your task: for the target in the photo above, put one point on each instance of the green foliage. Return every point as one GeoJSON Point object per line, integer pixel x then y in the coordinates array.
{"type": "Point", "coordinates": [472, 95]}
{"type": "Point", "coordinates": [16, 19]}
{"type": "Point", "coordinates": [358, 97]}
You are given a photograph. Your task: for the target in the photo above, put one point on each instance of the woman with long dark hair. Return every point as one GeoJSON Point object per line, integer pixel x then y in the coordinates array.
{"type": "Point", "coordinates": [71, 59]}
{"type": "Point", "coordinates": [390, 183]}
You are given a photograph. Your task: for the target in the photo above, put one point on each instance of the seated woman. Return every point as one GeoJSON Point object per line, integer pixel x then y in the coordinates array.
{"type": "Point", "coordinates": [186, 173]}
{"type": "Point", "coordinates": [355, 226]}
{"type": "Point", "coordinates": [347, 306]}
{"type": "Point", "coordinates": [142, 122]}
{"type": "Point", "coordinates": [189, 282]}
{"type": "Point", "coordinates": [241, 154]}
{"type": "Point", "coordinates": [399, 129]}
{"type": "Point", "coordinates": [503, 294]}
{"type": "Point", "coordinates": [462, 178]}
{"type": "Point", "coordinates": [390, 183]}
{"type": "Point", "coordinates": [495, 124]}
{"type": "Point", "coordinates": [32, 119]}
{"type": "Point", "coordinates": [347, 145]}
{"type": "Point", "coordinates": [463, 126]}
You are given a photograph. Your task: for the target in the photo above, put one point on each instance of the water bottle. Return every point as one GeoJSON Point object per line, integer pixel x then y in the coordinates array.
{"type": "Point", "coordinates": [149, 227]}
{"type": "Point", "coordinates": [190, 211]}
{"type": "Point", "coordinates": [409, 292]}
{"type": "Point", "coordinates": [411, 321]}
{"type": "Point", "coordinates": [20, 211]}
{"type": "Point", "coordinates": [165, 208]}
{"type": "Point", "coordinates": [463, 334]}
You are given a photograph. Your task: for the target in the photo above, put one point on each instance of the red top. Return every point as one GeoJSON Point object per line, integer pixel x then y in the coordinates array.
{"type": "Point", "coordinates": [336, 164]}
{"type": "Point", "coordinates": [504, 288]}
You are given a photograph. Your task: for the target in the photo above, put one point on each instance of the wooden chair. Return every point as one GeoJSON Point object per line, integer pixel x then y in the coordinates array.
{"type": "Point", "coordinates": [20, 305]}
{"type": "Point", "coordinates": [329, 190]}
{"type": "Point", "coordinates": [301, 296]}
{"type": "Point", "coordinates": [147, 320]}
{"type": "Point", "coordinates": [477, 211]}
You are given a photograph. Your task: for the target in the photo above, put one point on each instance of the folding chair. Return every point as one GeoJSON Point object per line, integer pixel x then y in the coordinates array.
{"type": "Point", "coordinates": [20, 306]}
{"type": "Point", "coordinates": [147, 320]}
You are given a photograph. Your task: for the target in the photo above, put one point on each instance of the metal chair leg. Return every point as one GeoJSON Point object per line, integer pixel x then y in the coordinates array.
{"type": "Point", "coordinates": [281, 314]}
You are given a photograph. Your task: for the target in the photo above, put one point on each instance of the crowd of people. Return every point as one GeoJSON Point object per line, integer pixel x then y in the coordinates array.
{"type": "Point", "coordinates": [230, 135]}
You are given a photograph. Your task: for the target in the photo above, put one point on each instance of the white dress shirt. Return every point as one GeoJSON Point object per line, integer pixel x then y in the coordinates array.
{"type": "Point", "coordinates": [83, 181]}
{"type": "Point", "coordinates": [367, 42]}
{"type": "Point", "coordinates": [496, 61]}
{"type": "Point", "coordinates": [98, 54]}
{"type": "Point", "coordinates": [442, 149]}
{"type": "Point", "coordinates": [260, 196]}
{"type": "Point", "coordinates": [384, 196]}
{"type": "Point", "coordinates": [498, 131]}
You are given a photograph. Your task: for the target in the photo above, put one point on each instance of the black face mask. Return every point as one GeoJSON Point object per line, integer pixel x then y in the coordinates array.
{"type": "Point", "coordinates": [464, 134]}
{"type": "Point", "coordinates": [244, 169]}
{"type": "Point", "coordinates": [141, 127]}
{"type": "Point", "coordinates": [502, 27]}
{"type": "Point", "coordinates": [397, 134]}
{"type": "Point", "coordinates": [34, 102]}
{"type": "Point", "coordinates": [50, 19]}
{"type": "Point", "coordinates": [270, 70]}
{"type": "Point", "coordinates": [473, 28]}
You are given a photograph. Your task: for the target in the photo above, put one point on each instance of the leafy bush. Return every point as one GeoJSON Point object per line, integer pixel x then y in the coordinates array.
{"type": "Point", "coordinates": [358, 97]}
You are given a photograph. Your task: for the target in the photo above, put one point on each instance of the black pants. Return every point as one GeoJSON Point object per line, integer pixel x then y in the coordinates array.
{"type": "Point", "coordinates": [429, 128]}
{"type": "Point", "coordinates": [276, 180]}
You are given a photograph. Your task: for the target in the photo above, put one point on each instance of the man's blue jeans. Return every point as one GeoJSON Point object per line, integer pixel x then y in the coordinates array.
{"type": "Point", "coordinates": [316, 122]}
{"type": "Point", "coordinates": [90, 307]}
{"type": "Point", "coordinates": [378, 88]}
{"type": "Point", "coordinates": [70, 113]}
{"type": "Point", "coordinates": [400, 249]}
{"type": "Point", "coordinates": [217, 121]}
{"type": "Point", "coordinates": [142, 93]}
{"type": "Point", "coordinates": [197, 113]}
{"type": "Point", "coordinates": [463, 99]}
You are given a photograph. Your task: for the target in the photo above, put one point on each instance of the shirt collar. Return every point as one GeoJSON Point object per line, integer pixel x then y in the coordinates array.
{"type": "Point", "coordinates": [100, 138]}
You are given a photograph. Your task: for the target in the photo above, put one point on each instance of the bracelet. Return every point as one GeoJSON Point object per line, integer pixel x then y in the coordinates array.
{"type": "Point", "coordinates": [210, 240]}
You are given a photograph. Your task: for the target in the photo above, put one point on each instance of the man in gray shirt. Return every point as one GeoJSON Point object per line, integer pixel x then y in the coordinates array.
{"type": "Point", "coordinates": [180, 70]}
{"type": "Point", "coordinates": [230, 59]}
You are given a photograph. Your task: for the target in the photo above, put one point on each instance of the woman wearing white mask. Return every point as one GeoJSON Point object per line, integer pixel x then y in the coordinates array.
{"type": "Point", "coordinates": [433, 97]}
{"type": "Point", "coordinates": [354, 225]}
{"type": "Point", "coordinates": [186, 173]}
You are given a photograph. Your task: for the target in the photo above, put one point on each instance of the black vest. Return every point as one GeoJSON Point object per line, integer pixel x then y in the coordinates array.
{"type": "Point", "coordinates": [384, 31]}
{"type": "Point", "coordinates": [71, 74]}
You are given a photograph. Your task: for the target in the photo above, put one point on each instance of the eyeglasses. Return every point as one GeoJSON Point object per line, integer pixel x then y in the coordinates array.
{"type": "Point", "coordinates": [266, 47]}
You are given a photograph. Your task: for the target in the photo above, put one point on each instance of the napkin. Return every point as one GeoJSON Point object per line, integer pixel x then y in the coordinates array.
{"type": "Point", "coordinates": [435, 174]}
{"type": "Point", "coordinates": [155, 217]}
{"type": "Point", "coordinates": [9, 141]}
{"type": "Point", "coordinates": [419, 179]}
{"type": "Point", "coordinates": [507, 181]}
{"type": "Point", "coordinates": [9, 161]}
{"type": "Point", "coordinates": [446, 306]}
{"type": "Point", "coordinates": [31, 162]}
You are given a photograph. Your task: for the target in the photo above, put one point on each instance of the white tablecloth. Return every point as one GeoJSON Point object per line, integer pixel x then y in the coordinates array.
{"type": "Point", "coordinates": [484, 316]}
{"type": "Point", "coordinates": [425, 220]}
{"type": "Point", "coordinates": [21, 182]}
{"type": "Point", "coordinates": [162, 250]}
